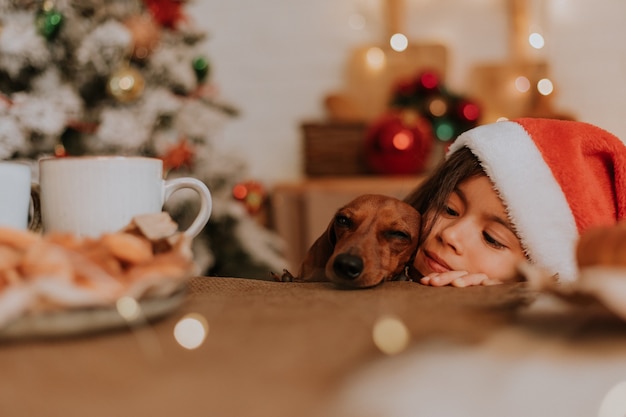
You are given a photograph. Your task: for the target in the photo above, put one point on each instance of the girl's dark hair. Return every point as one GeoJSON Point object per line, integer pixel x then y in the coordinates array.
{"type": "Point", "coordinates": [431, 195]}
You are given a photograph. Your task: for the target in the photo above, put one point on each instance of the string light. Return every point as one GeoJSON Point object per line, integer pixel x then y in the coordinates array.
{"type": "Point", "coordinates": [191, 331]}
{"type": "Point", "coordinates": [399, 42]}
{"type": "Point", "coordinates": [545, 87]}
{"type": "Point", "coordinates": [390, 335]}
{"type": "Point", "coordinates": [470, 111]}
{"type": "Point", "coordinates": [375, 58]}
{"type": "Point", "coordinates": [128, 308]}
{"type": "Point", "coordinates": [437, 107]}
{"type": "Point", "coordinates": [444, 131]}
{"type": "Point", "coordinates": [522, 84]}
{"type": "Point", "coordinates": [536, 40]}
{"type": "Point", "coordinates": [402, 140]}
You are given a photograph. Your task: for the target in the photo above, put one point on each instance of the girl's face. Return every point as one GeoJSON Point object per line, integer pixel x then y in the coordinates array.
{"type": "Point", "coordinates": [472, 234]}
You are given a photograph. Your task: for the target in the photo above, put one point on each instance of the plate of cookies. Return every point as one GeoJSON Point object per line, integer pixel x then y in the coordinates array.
{"type": "Point", "coordinates": [60, 284]}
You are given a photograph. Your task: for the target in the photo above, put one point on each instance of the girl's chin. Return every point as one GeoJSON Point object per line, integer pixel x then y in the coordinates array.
{"type": "Point", "coordinates": [421, 267]}
{"type": "Point", "coordinates": [426, 265]}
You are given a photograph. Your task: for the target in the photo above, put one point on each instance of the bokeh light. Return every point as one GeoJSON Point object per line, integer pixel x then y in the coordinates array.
{"type": "Point", "coordinates": [545, 87]}
{"type": "Point", "coordinates": [536, 40]}
{"type": "Point", "coordinates": [402, 140]}
{"type": "Point", "coordinates": [429, 80]}
{"type": "Point", "coordinates": [375, 58]}
{"type": "Point", "coordinates": [128, 308]}
{"type": "Point", "coordinates": [191, 331]}
{"type": "Point", "coordinates": [437, 107]}
{"type": "Point", "coordinates": [390, 335]}
{"type": "Point", "coordinates": [470, 111]}
{"type": "Point", "coordinates": [356, 21]}
{"type": "Point", "coordinates": [444, 131]}
{"type": "Point", "coordinates": [126, 82]}
{"type": "Point", "coordinates": [240, 191]}
{"type": "Point", "coordinates": [522, 84]}
{"type": "Point", "coordinates": [398, 42]}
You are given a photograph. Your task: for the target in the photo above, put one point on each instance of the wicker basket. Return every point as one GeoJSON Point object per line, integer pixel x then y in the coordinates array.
{"type": "Point", "coordinates": [334, 148]}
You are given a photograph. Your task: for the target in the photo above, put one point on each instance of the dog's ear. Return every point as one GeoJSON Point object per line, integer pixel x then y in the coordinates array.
{"type": "Point", "coordinates": [314, 264]}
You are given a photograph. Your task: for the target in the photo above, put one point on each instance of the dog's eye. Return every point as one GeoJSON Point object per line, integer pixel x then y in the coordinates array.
{"type": "Point", "coordinates": [397, 234]}
{"type": "Point", "coordinates": [342, 220]}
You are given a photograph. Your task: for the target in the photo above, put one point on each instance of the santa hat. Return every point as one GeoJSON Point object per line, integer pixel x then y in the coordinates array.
{"type": "Point", "coordinates": [557, 178]}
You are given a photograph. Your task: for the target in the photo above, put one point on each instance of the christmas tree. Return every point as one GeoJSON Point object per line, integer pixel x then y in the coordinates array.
{"type": "Point", "coordinates": [125, 77]}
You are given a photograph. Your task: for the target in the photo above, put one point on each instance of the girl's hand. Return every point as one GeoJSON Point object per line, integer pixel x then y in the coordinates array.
{"type": "Point", "coordinates": [457, 279]}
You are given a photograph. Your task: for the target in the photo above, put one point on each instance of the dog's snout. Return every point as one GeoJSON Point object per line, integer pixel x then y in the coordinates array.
{"type": "Point", "coordinates": [348, 266]}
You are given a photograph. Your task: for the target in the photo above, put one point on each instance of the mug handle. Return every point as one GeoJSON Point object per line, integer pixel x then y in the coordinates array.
{"type": "Point", "coordinates": [35, 223]}
{"type": "Point", "coordinates": [206, 202]}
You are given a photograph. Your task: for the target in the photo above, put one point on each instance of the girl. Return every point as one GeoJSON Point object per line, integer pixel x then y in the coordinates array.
{"type": "Point", "coordinates": [513, 191]}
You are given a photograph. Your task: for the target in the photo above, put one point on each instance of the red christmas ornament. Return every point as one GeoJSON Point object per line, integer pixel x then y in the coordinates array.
{"type": "Point", "coordinates": [251, 194]}
{"type": "Point", "coordinates": [166, 12]}
{"type": "Point", "coordinates": [182, 154]}
{"type": "Point", "coordinates": [398, 143]}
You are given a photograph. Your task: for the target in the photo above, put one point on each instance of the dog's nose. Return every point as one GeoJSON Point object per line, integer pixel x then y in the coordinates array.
{"type": "Point", "coordinates": [348, 266]}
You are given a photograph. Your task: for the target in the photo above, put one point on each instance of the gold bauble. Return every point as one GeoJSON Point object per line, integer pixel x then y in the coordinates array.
{"type": "Point", "coordinates": [126, 84]}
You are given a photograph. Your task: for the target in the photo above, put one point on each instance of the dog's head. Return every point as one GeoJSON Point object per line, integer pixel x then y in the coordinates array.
{"type": "Point", "coordinates": [368, 241]}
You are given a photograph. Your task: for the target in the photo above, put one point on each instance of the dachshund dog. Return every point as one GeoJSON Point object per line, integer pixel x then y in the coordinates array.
{"type": "Point", "coordinates": [369, 240]}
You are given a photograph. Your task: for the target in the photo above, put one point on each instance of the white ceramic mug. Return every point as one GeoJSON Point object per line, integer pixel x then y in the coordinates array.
{"type": "Point", "coordinates": [15, 191]}
{"type": "Point", "coordinates": [91, 195]}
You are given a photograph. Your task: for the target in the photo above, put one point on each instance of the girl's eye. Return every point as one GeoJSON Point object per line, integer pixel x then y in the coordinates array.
{"type": "Point", "coordinates": [492, 242]}
{"type": "Point", "coordinates": [450, 211]}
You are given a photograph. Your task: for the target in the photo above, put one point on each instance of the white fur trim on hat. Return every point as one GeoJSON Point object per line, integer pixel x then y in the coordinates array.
{"type": "Point", "coordinates": [534, 201]}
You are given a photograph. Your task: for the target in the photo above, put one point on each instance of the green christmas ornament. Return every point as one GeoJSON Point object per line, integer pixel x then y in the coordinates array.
{"type": "Point", "coordinates": [49, 22]}
{"type": "Point", "coordinates": [201, 67]}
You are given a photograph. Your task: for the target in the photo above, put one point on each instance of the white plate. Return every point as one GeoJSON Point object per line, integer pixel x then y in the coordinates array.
{"type": "Point", "coordinates": [89, 320]}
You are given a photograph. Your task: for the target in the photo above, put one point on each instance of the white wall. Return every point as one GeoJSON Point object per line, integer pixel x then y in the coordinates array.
{"type": "Point", "coordinates": [277, 59]}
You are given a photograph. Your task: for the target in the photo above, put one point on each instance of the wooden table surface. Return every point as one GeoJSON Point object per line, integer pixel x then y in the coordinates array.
{"type": "Point", "coordinates": [273, 349]}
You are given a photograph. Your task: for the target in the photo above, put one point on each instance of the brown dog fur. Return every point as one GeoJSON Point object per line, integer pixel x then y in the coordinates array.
{"type": "Point", "coordinates": [369, 240]}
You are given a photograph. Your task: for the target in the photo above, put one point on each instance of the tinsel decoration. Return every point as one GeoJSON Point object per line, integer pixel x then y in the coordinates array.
{"type": "Point", "coordinates": [398, 143]}
{"type": "Point", "coordinates": [449, 114]}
